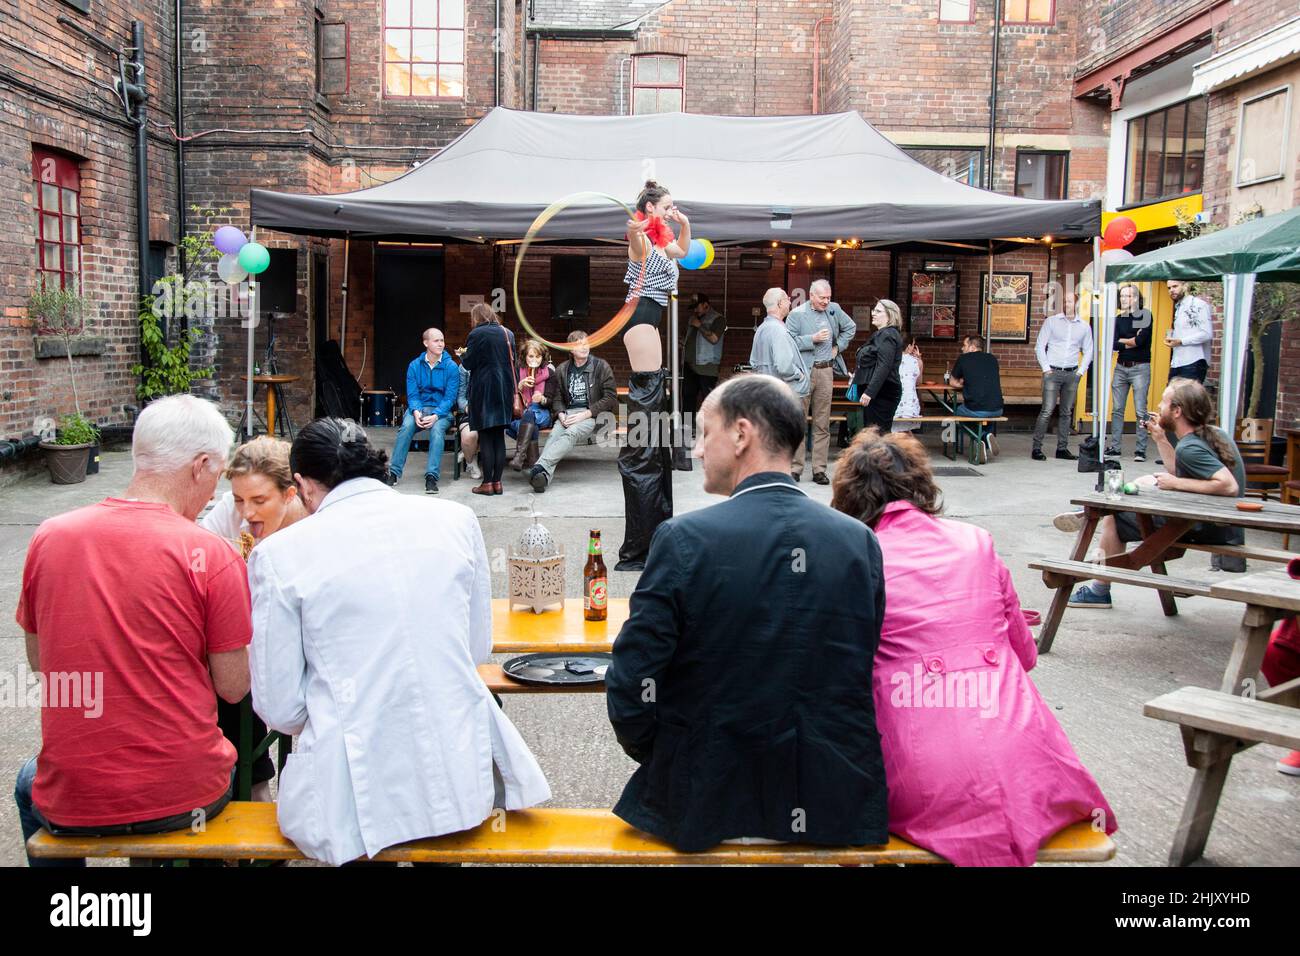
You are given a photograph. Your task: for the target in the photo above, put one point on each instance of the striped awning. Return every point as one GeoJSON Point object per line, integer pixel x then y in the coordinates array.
{"type": "Point", "coordinates": [1268, 51]}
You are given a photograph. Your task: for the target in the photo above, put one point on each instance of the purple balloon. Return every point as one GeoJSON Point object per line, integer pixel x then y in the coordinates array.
{"type": "Point", "coordinates": [229, 240]}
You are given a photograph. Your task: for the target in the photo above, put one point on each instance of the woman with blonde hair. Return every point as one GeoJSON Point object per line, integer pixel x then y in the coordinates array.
{"type": "Point", "coordinates": [979, 770]}
{"type": "Point", "coordinates": [263, 500]}
{"type": "Point", "coordinates": [876, 377]}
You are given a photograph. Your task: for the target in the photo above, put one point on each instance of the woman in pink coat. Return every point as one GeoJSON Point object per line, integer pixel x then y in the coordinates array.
{"type": "Point", "coordinates": [979, 771]}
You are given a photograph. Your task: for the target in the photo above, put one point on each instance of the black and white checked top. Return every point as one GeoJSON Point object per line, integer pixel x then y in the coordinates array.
{"type": "Point", "coordinates": [660, 276]}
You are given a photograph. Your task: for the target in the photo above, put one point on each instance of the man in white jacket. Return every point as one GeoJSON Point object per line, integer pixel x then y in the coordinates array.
{"type": "Point", "coordinates": [369, 619]}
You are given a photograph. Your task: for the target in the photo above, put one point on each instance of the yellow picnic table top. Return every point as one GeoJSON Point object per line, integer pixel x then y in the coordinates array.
{"type": "Point", "coordinates": [523, 632]}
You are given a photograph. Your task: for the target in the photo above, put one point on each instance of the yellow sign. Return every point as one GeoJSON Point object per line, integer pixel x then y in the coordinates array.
{"type": "Point", "coordinates": [1158, 215]}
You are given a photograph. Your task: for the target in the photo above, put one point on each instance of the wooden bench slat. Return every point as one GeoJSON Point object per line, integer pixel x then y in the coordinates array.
{"type": "Point", "coordinates": [947, 418]}
{"type": "Point", "coordinates": [1239, 718]}
{"type": "Point", "coordinates": [1086, 570]}
{"type": "Point", "coordinates": [1242, 551]}
{"type": "Point", "coordinates": [250, 831]}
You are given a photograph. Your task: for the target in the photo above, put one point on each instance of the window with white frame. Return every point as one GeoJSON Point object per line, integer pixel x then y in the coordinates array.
{"type": "Point", "coordinates": [1262, 137]}
{"type": "Point", "coordinates": [658, 84]}
{"type": "Point", "coordinates": [424, 48]}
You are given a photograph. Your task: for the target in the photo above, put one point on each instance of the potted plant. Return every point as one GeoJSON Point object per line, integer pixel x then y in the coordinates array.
{"type": "Point", "coordinates": [60, 311]}
{"type": "Point", "coordinates": [69, 452]}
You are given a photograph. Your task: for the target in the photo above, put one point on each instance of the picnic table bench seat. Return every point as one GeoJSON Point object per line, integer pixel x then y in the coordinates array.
{"type": "Point", "coordinates": [1215, 726]}
{"type": "Point", "coordinates": [1057, 572]}
{"type": "Point", "coordinates": [245, 831]}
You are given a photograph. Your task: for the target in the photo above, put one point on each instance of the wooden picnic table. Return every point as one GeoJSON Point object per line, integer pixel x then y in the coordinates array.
{"type": "Point", "coordinates": [1215, 727]}
{"type": "Point", "coordinates": [1180, 512]}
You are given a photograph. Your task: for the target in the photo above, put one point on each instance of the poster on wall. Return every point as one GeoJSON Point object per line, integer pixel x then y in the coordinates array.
{"type": "Point", "coordinates": [1010, 308]}
{"type": "Point", "coordinates": [932, 304]}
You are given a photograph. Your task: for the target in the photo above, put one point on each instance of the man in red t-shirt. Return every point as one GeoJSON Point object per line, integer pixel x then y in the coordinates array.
{"type": "Point", "coordinates": [137, 618]}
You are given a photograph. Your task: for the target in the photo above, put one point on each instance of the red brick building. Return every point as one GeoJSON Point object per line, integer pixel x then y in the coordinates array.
{"type": "Point", "coordinates": [333, 95]}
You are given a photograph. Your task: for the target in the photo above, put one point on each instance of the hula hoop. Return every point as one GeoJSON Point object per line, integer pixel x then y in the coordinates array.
{"type": "Point", "coordinates": [614, 325]}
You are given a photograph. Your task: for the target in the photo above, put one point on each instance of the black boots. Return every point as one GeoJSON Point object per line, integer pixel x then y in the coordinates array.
{"type": "Point", "coordinates": [645, 463]}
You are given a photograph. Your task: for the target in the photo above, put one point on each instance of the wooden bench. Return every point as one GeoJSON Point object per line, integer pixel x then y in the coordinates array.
{"type": "Point", "coordinates": [1059, 573]}
{"type": "Point", "coordinates": [248, 831]}
{"type": "Point", "coordinates": [1216, 725]}
{"type": "Point", "coordinates": [1022, 386]}
{"type": "Point", "coordinates": [972, 425]}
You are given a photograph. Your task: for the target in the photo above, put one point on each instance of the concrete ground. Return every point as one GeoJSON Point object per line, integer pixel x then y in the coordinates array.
{"type": "Point", "coordinates": [1104, 666]}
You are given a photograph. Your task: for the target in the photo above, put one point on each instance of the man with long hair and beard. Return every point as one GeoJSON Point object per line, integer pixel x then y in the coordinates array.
{"type": "Point", "coordinates": [1206, 462]}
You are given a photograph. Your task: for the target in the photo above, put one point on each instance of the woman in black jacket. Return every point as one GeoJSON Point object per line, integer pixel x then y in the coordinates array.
{"type": "Point", "coordinates": [489, 356]}
{"type": "Point", "coordinates": [879, 387]}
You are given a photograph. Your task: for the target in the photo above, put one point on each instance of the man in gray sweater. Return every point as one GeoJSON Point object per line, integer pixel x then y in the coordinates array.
{"type": "Point", "coordinates": [822, 330]}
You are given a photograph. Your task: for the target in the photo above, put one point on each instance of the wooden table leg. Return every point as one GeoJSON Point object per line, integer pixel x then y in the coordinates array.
{"type": "Point", "coordinates": [1248, 649]}
{"type": "Point", "coordinates": [1062, 596]}
{"type": "Point", "coordinates": [1198, 813]}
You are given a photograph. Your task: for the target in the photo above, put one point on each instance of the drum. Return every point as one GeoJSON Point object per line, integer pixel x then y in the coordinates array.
{"type": "Point", "coordinates": [377, 407]}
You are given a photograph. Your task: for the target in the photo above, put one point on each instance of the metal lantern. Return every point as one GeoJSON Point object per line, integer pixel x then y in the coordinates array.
{"type": "Point", "coordinates": [537, 570]}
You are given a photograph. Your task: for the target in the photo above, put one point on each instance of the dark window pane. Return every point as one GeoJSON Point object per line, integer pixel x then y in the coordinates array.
{"type": "Point", "coordinates": [1155, 163]}
{"type": "Point", "coordinates": [1175, 134]}
{"type": "Point", "coordinates": [334, 76]}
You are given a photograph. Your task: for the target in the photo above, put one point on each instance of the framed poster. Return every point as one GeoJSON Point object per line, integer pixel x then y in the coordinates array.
{"type": "Point", "coordinates": [1010, 309]}
{"type": "Point", "coordinates": [932, 304]}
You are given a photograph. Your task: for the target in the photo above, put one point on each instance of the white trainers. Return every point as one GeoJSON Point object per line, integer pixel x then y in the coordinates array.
{"type": "Point", "coordinates": [472, 469]}
{"type": "Point", "coordinates": [1069, 521]}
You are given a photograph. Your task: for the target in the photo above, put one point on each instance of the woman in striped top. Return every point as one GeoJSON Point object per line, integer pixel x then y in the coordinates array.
{"type": "Point", "coordinates": [646, 466]}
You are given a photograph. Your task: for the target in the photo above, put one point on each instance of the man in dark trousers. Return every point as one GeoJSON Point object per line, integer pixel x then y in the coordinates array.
{"type": "Point", "coordinates": [741, 691]}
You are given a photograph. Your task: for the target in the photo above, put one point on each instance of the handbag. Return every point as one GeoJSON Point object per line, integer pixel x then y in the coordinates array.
{"type": "Point", "coordinates": [851, 393]}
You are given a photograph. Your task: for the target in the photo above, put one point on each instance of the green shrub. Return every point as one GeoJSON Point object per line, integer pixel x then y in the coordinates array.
{"type": "Point", "coordinates": [76, 430]}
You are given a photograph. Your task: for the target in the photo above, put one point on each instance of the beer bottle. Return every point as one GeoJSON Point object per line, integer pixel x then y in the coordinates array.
{"type": "Point", "coordinates": [595, 589]}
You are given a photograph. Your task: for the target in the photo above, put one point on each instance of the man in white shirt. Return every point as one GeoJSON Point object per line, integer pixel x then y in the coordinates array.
{"type": "Point", "coordinates": [368, 620]}
{"type": "Point", "coordinates": [1190, 338]}
{"type": "Point", "coordinates": [1063, 338]}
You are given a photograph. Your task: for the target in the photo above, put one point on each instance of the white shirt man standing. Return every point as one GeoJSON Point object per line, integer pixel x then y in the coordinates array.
{"type": "Point", "coordinates": [1190, 338]}
{"type": "Point", "coordinates": [1063, 338]}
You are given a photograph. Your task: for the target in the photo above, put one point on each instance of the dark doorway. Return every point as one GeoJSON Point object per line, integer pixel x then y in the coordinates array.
{"type": "Point", "coordinates": [408, 300]}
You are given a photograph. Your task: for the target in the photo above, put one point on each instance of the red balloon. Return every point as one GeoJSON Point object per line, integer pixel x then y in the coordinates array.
{"type": "Point", "coordinates": [1120, 232]}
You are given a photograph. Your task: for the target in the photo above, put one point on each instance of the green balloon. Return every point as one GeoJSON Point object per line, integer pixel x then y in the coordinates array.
{"type": "Point", "coordinates": [253, 258]}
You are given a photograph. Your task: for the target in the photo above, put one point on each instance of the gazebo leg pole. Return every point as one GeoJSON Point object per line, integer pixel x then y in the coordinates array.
{"type": "Point", "coordinates": [251, 322]}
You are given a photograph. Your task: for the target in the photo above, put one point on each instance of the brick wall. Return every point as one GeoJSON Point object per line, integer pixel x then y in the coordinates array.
{"type": "Point", "coordinates": [57, 93]}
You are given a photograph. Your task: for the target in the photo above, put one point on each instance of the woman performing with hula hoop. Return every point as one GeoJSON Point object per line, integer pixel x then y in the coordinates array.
{"type": "Point", "coordinates": [645, 462]}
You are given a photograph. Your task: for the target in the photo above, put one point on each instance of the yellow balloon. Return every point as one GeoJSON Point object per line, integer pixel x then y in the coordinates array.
{"type": "Point", "coordinates": [708, 253]}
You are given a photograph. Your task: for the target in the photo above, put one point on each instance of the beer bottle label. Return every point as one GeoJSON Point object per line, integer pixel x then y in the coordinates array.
{"type": "Point", "coordinates": [597, 594]}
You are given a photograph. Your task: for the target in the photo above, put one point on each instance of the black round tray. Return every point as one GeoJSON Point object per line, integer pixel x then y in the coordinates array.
{"type": "Point", "coordinates": [553, 668]}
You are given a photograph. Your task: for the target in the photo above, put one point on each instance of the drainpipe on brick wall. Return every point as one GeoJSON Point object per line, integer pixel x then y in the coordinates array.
{"type": "Point", "coordinates": [135, 95]}
{"type": "Point", "coordinates": [993, 95]}
{"type": "Point", "coordinates": [180, 151]}
{"type": "Point", "coordinates": [817, 63]}
{"type": "Point", "coordinates": [537, 55]}
{"type": "Point", "coordinates": [496, 58]}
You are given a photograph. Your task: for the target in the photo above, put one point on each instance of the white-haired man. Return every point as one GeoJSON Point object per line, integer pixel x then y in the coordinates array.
{"type": "Point", "coordinates": [821, 330]}
{"type": "Point", "coordinates": [138, 619]}
{"type": "Point", "coordinates": [774, 351]}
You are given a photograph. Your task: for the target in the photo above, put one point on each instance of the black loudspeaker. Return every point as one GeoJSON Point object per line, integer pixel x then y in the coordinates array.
{"type": "Point", "coordinates": [570, 287]}
{"type": "Point", "coordinates": [278, 285]}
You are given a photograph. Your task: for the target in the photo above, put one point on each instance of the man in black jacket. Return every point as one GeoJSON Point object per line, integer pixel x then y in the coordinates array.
{"type": "Point", "coordinates": [584, 393]}
{"type": "Point", "coordinates": [745, 695]}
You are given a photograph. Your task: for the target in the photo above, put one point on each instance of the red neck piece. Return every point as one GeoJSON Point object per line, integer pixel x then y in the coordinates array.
{"type": "Point", "coordinates": [657, 231]}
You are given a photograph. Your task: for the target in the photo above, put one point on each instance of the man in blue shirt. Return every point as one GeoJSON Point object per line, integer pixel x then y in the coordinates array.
{"type": "Point", "coordinates": [432, 382]}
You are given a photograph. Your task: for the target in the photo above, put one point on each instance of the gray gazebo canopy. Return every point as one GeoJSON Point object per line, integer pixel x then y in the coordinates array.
{"type": "Point", "coordinates": [746, 178]}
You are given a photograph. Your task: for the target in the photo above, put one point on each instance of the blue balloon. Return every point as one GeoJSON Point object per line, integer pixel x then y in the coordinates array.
{"type": "Point", "coordinates": [695, 255]}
